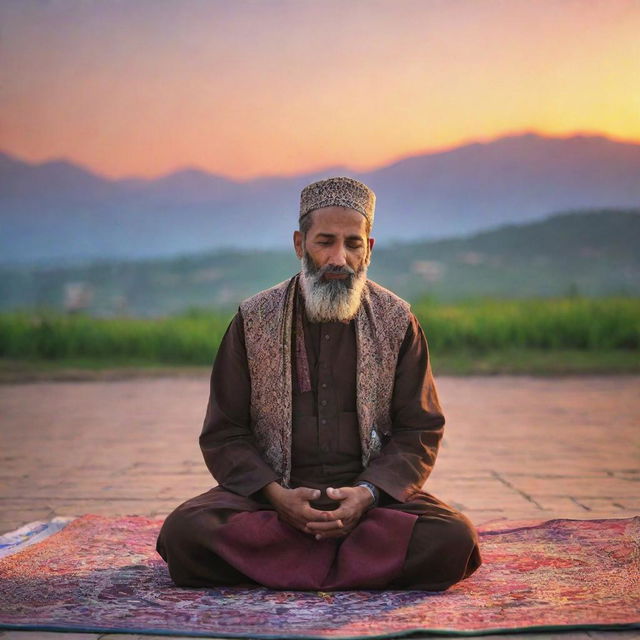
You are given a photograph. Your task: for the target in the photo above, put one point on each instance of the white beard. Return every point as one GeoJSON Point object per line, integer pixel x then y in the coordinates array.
{"type": "Point", "coordinates": [331, 300]}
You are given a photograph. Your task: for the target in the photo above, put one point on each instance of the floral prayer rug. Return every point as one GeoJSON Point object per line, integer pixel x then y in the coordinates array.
{"type": "Point", "coordinates": [103, 575]}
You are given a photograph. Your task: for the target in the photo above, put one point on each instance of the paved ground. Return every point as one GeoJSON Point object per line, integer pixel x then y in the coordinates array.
{"type": "Point", "coordinates": [515, 447]}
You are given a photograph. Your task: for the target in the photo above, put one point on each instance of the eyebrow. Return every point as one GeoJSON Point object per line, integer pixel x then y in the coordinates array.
{"type": "Point", "coordinates": [333, 235]}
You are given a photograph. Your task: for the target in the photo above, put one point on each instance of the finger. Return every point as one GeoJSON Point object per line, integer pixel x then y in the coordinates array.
{"type": "Point", "coordinates": [336, 494]}
{"type": "Point", "coordinates": [342, 513]}
{"type": "Point", "coordinates": [336, 533]}
{"type": "Point", "coordinates": [310, 528]}
{"type": "Point", "coordinates": [307, 493]}
{"type": "Point", "coordinates": [316, 515]}
{"type": "Point", "coordinates": [325, 526]}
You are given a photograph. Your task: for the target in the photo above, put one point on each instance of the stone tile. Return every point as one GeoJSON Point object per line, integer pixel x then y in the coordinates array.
{"type": "Point", "coordinates": [47, 635]}
{"type": "Point", "coordinates": [570, 507]}
{"type": "Point", "coordinates": [633, 634]}
{"type": "Point", "coordinates": [629, 504]}
{"type": "Point", "coordinates": [130, 636]}
{"type": "Point", "coordinates": [514, 447]}
{"type": "Point", "coordinates": [11, 518]}
{"type": "Point", "coordinates": [610, 505]}
{"type": "Point", "coordinates": [587, 487]}
{"type": "Point", "coordinates": [571, 635]}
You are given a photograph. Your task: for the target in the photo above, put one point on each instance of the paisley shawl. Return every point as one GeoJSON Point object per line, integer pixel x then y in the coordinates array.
{"type": "Point", "coordinates": [381, 324]}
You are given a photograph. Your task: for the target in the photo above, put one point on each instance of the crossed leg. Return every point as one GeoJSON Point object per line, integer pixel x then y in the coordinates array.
{"type": "Point", "coordinates": [442, 550]}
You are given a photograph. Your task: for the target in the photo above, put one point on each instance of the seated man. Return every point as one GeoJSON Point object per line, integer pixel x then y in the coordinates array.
{"type": "Point", "coordinates": [322, 426]}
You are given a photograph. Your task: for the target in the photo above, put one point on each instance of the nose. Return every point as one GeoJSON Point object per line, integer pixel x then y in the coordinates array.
{"type": "Point", "coordinates": [338, 256]}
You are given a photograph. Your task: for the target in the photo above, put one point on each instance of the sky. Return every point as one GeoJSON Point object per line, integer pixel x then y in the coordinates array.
{"type": "Point", "coordinates": [252, 88]}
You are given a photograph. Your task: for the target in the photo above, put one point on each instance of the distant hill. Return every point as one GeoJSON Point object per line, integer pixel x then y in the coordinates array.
{"type": "Point", "coordinates": [590, 253]}
{"type": "Point", "coordinates": [56, 211]}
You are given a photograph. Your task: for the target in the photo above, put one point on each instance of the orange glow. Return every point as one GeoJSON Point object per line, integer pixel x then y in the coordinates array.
{"type": "Point", "coordinates": [254, 89]}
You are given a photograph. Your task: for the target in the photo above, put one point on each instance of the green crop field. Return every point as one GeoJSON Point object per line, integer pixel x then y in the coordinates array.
{"type": "Point", "coordinates": [562, 335]}
{"type": "Point", "coordinates": [560, 323]}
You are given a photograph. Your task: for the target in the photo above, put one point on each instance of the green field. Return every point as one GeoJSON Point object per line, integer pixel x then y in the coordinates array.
{"type": "Point", "coordinates": [561, 335]}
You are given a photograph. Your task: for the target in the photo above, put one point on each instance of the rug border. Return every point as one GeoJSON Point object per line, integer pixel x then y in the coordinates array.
{"type": "Point", "coordinates": [625, 626]}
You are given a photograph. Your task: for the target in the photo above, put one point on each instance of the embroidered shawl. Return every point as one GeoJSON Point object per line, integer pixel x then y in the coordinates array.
{"type": "Point", "coordinates": [381, 324]}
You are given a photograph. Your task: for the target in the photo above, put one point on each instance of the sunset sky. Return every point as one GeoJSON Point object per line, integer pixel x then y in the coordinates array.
{"type": "Point", "coordinates": [271, 87]}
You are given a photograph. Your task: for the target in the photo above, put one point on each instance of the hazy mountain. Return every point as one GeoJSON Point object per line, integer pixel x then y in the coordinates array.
{"type": "Point", "coordinates": [57, 211]}
{"type": "Point", "coordinates": [590, 253]}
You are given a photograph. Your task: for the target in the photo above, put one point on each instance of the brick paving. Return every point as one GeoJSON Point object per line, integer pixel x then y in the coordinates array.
{"type": "Point", "coordinates": [515, 448]}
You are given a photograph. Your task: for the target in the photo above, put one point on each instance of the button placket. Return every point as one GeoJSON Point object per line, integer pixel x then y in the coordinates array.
{"type": "Point", "coordinates": [323, 409]}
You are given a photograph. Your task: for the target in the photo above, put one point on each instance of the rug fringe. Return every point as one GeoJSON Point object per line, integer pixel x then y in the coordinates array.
{"type": "Point", "coordinates": [15, 541]}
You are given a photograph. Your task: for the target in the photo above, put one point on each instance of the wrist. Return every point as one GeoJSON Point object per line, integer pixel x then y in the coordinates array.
{"type": "Point", "coordinates": [273, 491]}
{"type": "Point", "coordinates": [372, 492]}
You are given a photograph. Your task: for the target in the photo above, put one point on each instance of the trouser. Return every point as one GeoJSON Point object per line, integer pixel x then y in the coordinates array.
{"type": "Point", "coordinates": [442, 548]}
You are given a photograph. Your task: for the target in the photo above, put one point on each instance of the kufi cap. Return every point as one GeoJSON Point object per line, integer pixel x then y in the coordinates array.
{"type": "Point", "coordinates": [338, 192]}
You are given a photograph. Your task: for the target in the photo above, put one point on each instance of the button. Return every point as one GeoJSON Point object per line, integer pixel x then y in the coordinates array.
{"type": "Point", "coordinates": [327, 336]}
{"type": "Point", "coordinates": [324, 385]}
{"type": "Point", "coordinates": [323, 403]}
{"type": "Point", "coordinates": [323, 421]}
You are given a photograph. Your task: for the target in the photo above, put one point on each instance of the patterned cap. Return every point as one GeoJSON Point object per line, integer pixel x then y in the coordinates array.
{"type": "Point", "coordinates": [340, 191]}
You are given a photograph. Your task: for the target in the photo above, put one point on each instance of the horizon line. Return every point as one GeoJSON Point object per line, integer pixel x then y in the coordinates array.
{"type": "Point", "coordinates": [465, 142]}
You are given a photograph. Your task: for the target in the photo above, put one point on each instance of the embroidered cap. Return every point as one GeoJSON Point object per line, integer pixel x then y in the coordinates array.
{"type": "Point", "coordinates": [340, 191]}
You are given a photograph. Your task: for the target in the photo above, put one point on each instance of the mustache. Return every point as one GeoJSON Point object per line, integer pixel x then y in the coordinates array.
{"type": "Point", "coordinates": [333, 269]}
{"type": "Point", "coordinates": [336, 270]}
{"type": "Point", "coordinates": [331, 284]}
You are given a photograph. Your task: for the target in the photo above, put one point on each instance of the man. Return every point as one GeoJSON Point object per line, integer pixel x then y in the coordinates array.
{"type": "Point", "coordinates": [323, 424]}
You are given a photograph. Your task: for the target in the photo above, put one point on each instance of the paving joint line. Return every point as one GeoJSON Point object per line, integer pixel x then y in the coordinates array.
{"type": "Point", "coordinates": [584, 506]}
{"type": "Point", "coordinates": [525, 495]}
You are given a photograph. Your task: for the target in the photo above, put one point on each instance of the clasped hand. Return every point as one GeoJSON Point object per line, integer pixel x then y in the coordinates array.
{"type": "Point", "coordinates": [293, 506]}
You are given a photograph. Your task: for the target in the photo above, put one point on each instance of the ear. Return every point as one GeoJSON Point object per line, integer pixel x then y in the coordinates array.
{"type": "Point", "coordinates": [298, 241]}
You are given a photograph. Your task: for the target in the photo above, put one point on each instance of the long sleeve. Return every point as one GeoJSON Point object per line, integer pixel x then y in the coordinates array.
{"type": "Point", "coordinates": [226, 441]}
{"type": "Point", "coordinates": [407, 458]}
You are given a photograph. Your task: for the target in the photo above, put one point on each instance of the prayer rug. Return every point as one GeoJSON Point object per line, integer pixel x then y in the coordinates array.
{"type": "Point", "coordinates": [103, 575]}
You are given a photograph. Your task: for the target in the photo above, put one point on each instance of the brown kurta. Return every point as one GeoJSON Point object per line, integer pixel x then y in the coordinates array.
{"type": "Point", "coordinates": [325, 452]}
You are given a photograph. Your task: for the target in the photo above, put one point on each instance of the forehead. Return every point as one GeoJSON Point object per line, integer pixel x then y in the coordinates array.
{"type": "Point", "coordinates": [338, 221]}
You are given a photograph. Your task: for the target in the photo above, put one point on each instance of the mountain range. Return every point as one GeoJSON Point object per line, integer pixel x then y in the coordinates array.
{"type": "Point", "coordinates": [60, 213]}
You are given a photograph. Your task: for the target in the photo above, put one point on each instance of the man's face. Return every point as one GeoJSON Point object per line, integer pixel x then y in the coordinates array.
{"type": "Point", "coordinates": [335, 253]}
{"type": "Point", "coordinates": [337, 237]}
